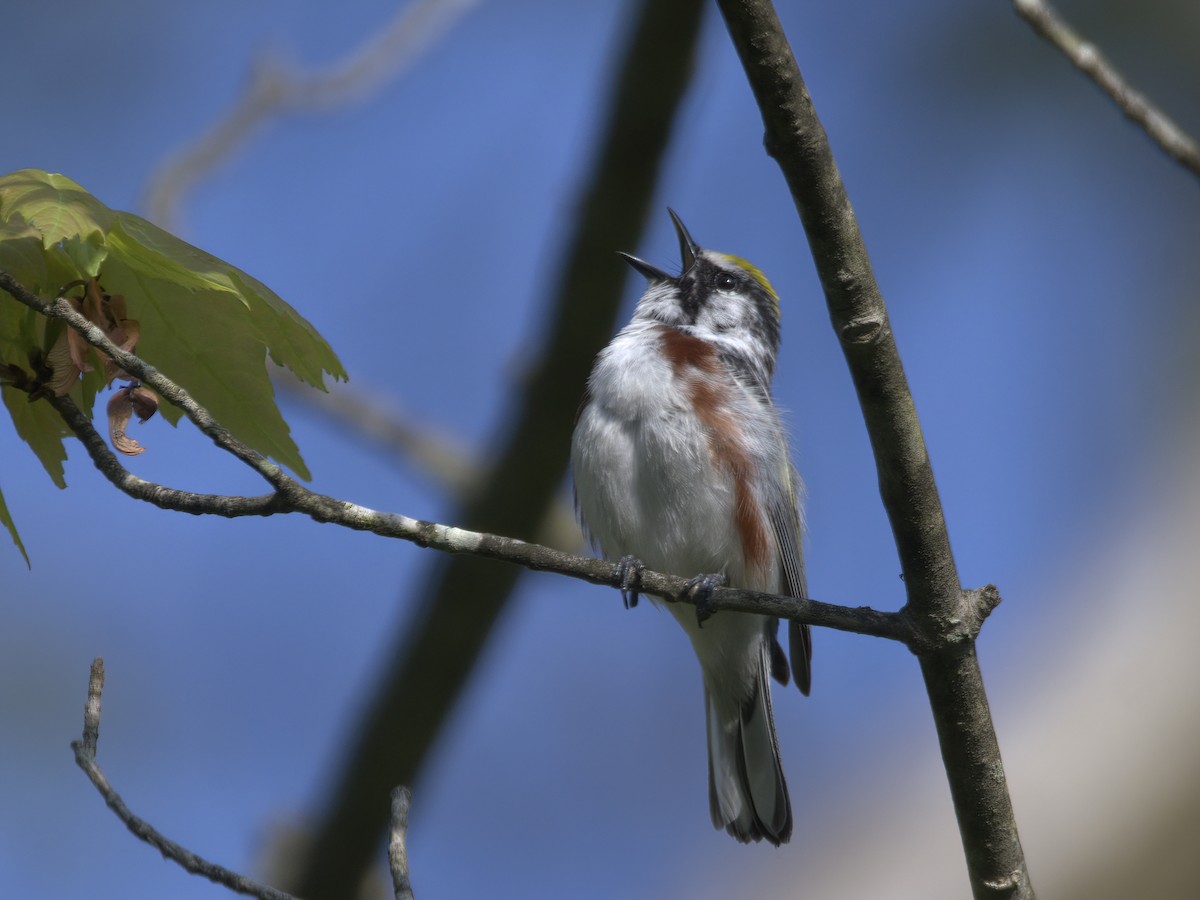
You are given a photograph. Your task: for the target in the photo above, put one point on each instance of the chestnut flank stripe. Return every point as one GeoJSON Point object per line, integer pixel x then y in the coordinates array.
{"type": "Point", "coordinates": [696, 364]}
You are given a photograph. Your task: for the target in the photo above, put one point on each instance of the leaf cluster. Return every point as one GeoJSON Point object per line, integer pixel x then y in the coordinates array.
{"type": "Point", "coordinates": [208, 323]}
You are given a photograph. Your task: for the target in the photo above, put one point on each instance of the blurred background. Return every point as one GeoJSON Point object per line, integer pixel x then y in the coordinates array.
{"type": "Point", "coordinates": [1038, 255]}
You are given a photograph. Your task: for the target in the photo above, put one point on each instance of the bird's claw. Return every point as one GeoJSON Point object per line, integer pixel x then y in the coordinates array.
{"type": "Point", "coordinates": [700, 589]}
{"type": "Point", "coordinates": [629, 574]}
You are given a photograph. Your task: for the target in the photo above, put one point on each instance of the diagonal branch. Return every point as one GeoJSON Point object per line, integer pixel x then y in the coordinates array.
{"type": "Point", "coordinates": [292, 497]}
{"type": "Point", "coordinates": [60, 308]}
{"type": "Point", "coordinates": [434, 653]}
{"type": "Point", "coordinates": [936, 600]}
{"type": "Point", "coordinates": [85, 758]}
{"type": "Point", "coordinates": [274, 90]}
{"type": "Point", "coordinates": [1089, 60]}
{"type": "Point", "coordinates": [438, 456]}
{"type": "Point", "coordinates": [156, 494]}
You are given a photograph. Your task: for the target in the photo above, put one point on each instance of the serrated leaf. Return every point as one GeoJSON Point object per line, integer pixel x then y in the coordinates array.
{"type": "Point", "coordinates": [205, 344]}
{"type": "Point", "coordinates": [291, 340]}
{"type": "Point", "coordinates": [7, 522]}
{"type": "Point", "coordinates": [204, 323]}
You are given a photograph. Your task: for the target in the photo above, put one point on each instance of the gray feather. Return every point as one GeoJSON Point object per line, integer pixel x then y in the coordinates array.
{"type": "Point", "coordinates": [784, 514]}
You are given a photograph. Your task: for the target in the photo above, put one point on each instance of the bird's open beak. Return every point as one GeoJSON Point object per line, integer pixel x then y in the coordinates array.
{"type": "Point", "coordinates": [688, 249]}
{"type": "Point", "coordinates": [651, 273]}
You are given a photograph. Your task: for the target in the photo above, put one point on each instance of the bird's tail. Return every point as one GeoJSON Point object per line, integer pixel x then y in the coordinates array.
{"type": "Point", "coordinates": [747, 794]}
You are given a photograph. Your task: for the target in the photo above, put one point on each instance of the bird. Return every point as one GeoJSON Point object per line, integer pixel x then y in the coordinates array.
{"type": "Point", "coordinates": [681, 464]}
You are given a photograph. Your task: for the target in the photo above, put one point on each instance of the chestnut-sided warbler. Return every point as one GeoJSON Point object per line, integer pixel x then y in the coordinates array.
{"type": "Point", "coordinates": [681, 464]}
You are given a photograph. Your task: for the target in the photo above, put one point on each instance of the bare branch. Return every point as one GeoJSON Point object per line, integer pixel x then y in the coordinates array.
{"type": "Point", "coordinates": [936, 601]}
{"type": "Point", "coordinates": [274, 89]}
{"type": "Point", "coordinates": [91, 711]}
{"type": "Point", "coordinates": [397, 852]}
{"type": "Point", "coordinates": [435, 651]}
{"type": "Point", "coordinates": [322, 508]}
{"type": "Point", "coordinates": [452, 466]}
{"type": "Point", "coordinates": [1087, 58]}
{"type": "Point", "coordinates": [292, 497]}
{"type": "Point", "coordinates": [110, 467]}
{"type": "Point", "coordinates": [85, 758]}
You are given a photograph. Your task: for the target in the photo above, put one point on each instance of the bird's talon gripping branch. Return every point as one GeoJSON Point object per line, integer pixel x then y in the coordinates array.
{"type": "Point", "coordinates": [629, 573]}
{"type": "Point", "coordinates": [700, 589]}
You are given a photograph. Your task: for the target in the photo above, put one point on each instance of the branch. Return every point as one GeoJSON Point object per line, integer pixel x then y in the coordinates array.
{"type": "Point", "coordinates": [1089, 60]}
{"type": "Point", "coordinates": [397, 852]}
{"type": "Point", "coordinates": [292, 497]}
{"type": "Point", "coordinates": [936, 601]}
{"type": "Point", "coordinates": [274, 89]}
{"type": "Point", "coordinates": [434, 652]}
{"type": "Point", "coordinates": [110, 467]}
{"type": "Point", "coordinates": [439, 458]}
{"type": "Point", "coordinates": [85, 758]}
{"type": "Point", "coordinates": [60, 308]}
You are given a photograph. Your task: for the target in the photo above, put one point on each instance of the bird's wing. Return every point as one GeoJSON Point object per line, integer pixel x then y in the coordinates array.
{"type": "Point", "coordinates": [784, 513]}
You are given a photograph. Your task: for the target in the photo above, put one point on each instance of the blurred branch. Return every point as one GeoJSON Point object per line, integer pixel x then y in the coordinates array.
{"type": "Point", "coordinates": [937, 603]}
{"type": "Point", "coordinates": [397, 852]}
{"type": "Point", "coordinates": [1088, 59]}
{"type": "Point", "coordinates": [459, 601]}
{"type": "Point", "coordinates": [275, 89]}
{"type": "Point", "coordinates": [437, 455]}
{"type": "Point", "coordinates": [292, 497]}
{"type": "Point", "coordinates": [85, 758]}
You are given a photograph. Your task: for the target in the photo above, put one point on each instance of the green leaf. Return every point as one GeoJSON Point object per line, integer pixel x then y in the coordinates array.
{"type": "Point", "coordinates": [205, 323]}
{"type": "Point", "coordinates": [206, 343]}
{"type": "Point", "coordinates": [7, 522]}
{"type": "Point", "coordinates": [71, 221]}
{"type": "Point", "coordinates": [291, 340]}
{"type": "Point", "coordinates": [40, 427]}
{"type": "Point", "coordinates": [21, 255]}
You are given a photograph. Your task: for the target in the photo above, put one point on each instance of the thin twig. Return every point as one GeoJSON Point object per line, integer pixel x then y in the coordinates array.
{"type": "Point", "coordinates": [292, 497]}
{"type": "Point", "coordinates": [936, 601]}
{"type": "Point", "coordinates": [91, 711]}
{"type": "Point", "coordinates": [447, 538]}
{"type": "Point", "coordinates": [1088, 59]}
{"type": "Point", "coordinates": [397, 851]}
{"type": "Point", "coordinates": [275, 89]}
{"type": "Point", "coordinates": [436, 455]}
{"type": "Point", "coordinates": [85, 758]}
{"type": "Point", "coordinates": [110, 467]}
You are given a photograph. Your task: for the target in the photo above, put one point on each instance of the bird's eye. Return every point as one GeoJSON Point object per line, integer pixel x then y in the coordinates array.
{"type": "Point", "coordinates": [725, 281]}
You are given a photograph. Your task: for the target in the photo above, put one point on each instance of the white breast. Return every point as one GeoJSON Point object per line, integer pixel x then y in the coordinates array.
{"type": "Point", "coordinates": [645, 479]}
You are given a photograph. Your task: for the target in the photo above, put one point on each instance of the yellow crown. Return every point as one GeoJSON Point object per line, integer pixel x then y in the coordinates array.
{"type": "Point", "coordinates": [754, 272]}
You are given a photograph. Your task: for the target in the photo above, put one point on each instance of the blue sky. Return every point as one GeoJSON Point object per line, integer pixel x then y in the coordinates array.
{"type": "Point", "coordinates": [1037, 255]}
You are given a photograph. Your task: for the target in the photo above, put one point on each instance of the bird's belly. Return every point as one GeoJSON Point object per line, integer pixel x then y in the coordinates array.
{"type": "Point", "coordinates": [657, 494]}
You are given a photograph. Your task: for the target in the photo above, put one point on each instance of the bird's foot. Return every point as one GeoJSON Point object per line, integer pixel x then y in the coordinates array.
{"type": "Point", "coordinates": [700, 589]}
{"type": "Point", "coordinates": [629, 574]}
